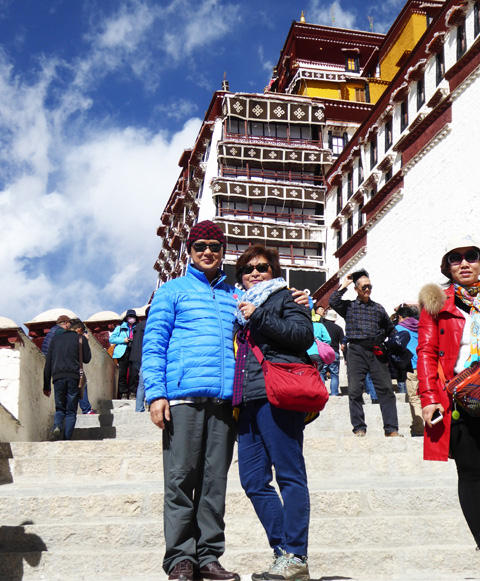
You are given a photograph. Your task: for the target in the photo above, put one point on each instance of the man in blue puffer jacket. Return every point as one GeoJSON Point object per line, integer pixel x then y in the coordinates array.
{"type": "Point", "coordinates": [188, 368]}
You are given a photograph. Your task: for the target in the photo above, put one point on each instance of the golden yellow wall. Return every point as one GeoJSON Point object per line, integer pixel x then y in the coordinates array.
{"type": "Point", "coordinates": [377, 87]}
{"type": "Point", "coordinates": [320, 89]}
{"type": "Point", "coordinates": [325, 90]}
{"type": "Point", "coordinates": [408, 38]}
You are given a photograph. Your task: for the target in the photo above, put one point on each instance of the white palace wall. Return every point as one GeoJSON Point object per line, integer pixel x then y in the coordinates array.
{"type": "Point", "coordinates": [439, 199]}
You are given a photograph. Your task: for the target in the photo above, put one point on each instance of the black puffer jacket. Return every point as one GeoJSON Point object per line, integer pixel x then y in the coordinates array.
{"type": "Point", "coordinates": [283, 330]}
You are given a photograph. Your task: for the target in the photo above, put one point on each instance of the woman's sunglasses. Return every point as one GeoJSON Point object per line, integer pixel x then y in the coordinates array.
{"type": "Point", "coordinates": [456, 258]}
{"type": "Point", "coordinates": [202, 246]}
{"type": "Point", "coordinates": [261, 267]}
{"type": "Point", "coordinates": [367, 287]}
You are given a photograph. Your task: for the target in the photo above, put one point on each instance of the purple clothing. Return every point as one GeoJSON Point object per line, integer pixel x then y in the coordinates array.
{"type": "Point", "coordinates": [411, 324]}
{"type": "Point", "coordinates": [241, 357]}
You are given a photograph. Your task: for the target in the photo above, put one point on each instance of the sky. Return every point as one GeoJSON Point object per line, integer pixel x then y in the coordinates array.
{"type": "Point", "coordinates": [98, 100]}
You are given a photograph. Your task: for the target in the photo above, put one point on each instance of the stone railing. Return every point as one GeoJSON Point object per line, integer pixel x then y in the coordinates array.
{"type": "Point", "coordinates": [25, 413]}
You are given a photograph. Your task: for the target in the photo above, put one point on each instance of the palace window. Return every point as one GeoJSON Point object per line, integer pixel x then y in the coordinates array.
{"type": "Point", "coordinates": [461, 40]}
{"type": "Point", "coordinates": [350, 226]}
{"type": "Point", "coordinates": [350, 184]}
{"type": "Point", "coordinates": [339, 238]}
{"type": "Point", "coordinates": [388, 134]}
{"type": "Point", "coordinates": [403, 116]}
{"type": "Point", "coordinates": [440, 66]}
{"type": "Point", "coordinates": [420, 92]}
{"type": "Point", "coordinates": [373, 153]}
{"type": "Point", "coordinates": [300, 132]}
{"type": "Point", "coordinates": [360, 171]}
{"type": "Point", "coordinates": [360, 95]}
{"type": "Point", "coordinates": [352, 64]}
{"type": "Point", "coordinates": [236, 126]}
{"type": "Point", "coordinates": [339, 200]}
{"type": "Point", "coordinates": [360, 215]}
{"type": "Point", "coordinates": [337, 143]}
{"type": "Point", "coordinates": [388, 175]}
{"type": "Point", "coordinates": [476, 19]}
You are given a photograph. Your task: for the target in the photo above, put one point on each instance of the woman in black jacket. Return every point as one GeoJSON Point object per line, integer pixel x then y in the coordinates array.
{"type": "Point", "coordinates": [268, 436]}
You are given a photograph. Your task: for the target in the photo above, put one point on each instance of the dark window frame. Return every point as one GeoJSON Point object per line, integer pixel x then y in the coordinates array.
{"type": "Point", "coordinates": [388, 134]}
{"type": "Point", "coordinates": [356, 64]}
{"type": "Point", "coordinates": [349, 185]}
{"type": "Point", "coordinates": [461, 40]}
{"type": "Point", "coordinates": [339, 199]}
{"type": "Point", "coordinates": [361, 215]}
{"type": "Point", "coordinates": [440, 66]}
{"type": "Point", "coordinates": [476, 19]}
{"type": "Point", "coordinates": [420, 92]}
{"type": "Point", "coordinates": [350, 226]}
{"type": "Point", "coordinates": [339, 238]}
{"type": "Point", "coordinates": [403, 115]}
{"type": "Point", "coordinates": [373, 152]}
{"type": "Point", "coordinates": [360, 171]}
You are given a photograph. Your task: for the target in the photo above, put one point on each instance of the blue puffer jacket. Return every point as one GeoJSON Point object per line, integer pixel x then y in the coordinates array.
{"type": "Point", "coordinates": [118, 337]}
{"type": "Point", "coordinates": [187, 346]}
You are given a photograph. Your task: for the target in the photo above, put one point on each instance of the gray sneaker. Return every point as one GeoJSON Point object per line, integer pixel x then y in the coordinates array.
{"type": "Point", "coordinates": [261, 576]}
{"type": "Point", "coordinates": [288, 567]}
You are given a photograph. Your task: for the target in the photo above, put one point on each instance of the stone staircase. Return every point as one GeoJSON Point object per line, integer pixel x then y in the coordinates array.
{"type": "Point", "coordinates": [91, 509]}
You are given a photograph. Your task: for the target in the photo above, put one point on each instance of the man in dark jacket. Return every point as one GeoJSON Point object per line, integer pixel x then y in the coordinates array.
{"type": "Point", "coordinates": [63, 322]}
{"type": "Point", "coordinates": [62, 365]}
{"type": "Point", "coordinates": [366, 327]}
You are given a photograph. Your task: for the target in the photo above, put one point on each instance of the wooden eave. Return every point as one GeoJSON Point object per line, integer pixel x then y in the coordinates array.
{"type": "Point", "coordinates": [415, 133]}
{"type": "Point", "coordinates": [380, 196]}
{"type": "Point", "coordinates": [185, 158]}
{"type": "Point", "coordinates": [462, 65]}
{"type": "Point", "coordinates": [350, 243]}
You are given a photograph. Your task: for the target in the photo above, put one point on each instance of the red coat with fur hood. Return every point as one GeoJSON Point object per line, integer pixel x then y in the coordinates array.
{"type": "Point", "coordinates": [439, 335]}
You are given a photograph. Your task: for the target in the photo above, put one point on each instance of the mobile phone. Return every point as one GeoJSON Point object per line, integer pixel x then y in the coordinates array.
{"type": "Point", "coordinates": [437, 417]}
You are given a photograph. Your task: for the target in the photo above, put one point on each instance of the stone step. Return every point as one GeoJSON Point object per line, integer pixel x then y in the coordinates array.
{"type": "Point", "coordinates": [120, 460]}
{"type": "Point", "coordinates": [334, 533]}
{"type": "Point", "coordinates": [82, 503]}
{"type": "Point", "coordinates": [453, 562]}
{"type": "Point", "coordinates": [124, 521]}
{"type": "Point", "coordinates": [120, 421]}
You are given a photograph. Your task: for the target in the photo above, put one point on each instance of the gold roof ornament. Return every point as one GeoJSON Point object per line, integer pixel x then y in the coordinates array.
{"type": "Point", "coordinates": [302, 17]}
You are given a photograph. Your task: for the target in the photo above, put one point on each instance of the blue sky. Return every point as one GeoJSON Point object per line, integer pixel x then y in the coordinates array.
{"type": "Point", "coordinates": [98, 99]}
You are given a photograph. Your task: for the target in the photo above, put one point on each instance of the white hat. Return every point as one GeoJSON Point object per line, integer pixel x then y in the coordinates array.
{"type": "Point", "coordinates": [456, 241]}
{"type": "Point", "coordinates": [331, 316]}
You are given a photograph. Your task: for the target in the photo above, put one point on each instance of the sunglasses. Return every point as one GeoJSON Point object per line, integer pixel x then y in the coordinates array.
{"type": "Point", "coordinates": [202, 246]}
{"type": "Point", "coordinates": [261, 267]}
{"type": "Point", "coordinates": [366, 287]}
{"type": "Point", "coordinates": [456, 258]}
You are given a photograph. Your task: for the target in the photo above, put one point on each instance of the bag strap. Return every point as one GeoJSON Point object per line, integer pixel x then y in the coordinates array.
{"type": "Point", "coordinates": [80, 356]}
{"type": "Point", "coordinates": [257, 352]}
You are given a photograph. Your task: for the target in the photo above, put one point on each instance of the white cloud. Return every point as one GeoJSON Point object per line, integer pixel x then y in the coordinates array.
{"type": "Point", "coordinates": [80, 199]}
{"type": "Point", "coordinates": [331, 14]}
{"type": "Point", "coordinates": [78, 216]}
{"type": "Point", "coordinates": [208, 22]}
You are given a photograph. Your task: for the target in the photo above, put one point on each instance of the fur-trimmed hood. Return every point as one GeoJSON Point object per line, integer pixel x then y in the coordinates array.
{"type": "Point", "coordinates": [432, 297]}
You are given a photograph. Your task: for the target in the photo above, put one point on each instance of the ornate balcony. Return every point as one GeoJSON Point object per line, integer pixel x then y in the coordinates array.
{"type": "Point", "coordinates": [255, 190]}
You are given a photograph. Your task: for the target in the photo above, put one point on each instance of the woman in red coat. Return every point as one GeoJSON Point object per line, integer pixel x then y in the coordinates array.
{"type": "Point", "coordinates": [449, 336]}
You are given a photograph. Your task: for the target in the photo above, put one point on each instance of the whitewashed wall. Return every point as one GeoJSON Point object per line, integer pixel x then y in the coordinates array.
{"type": "Point", "coordinates": [440, 197]}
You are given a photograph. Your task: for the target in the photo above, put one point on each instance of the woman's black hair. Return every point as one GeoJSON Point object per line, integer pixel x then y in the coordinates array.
{"type": "Point", "coordinates": [271, 254]}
